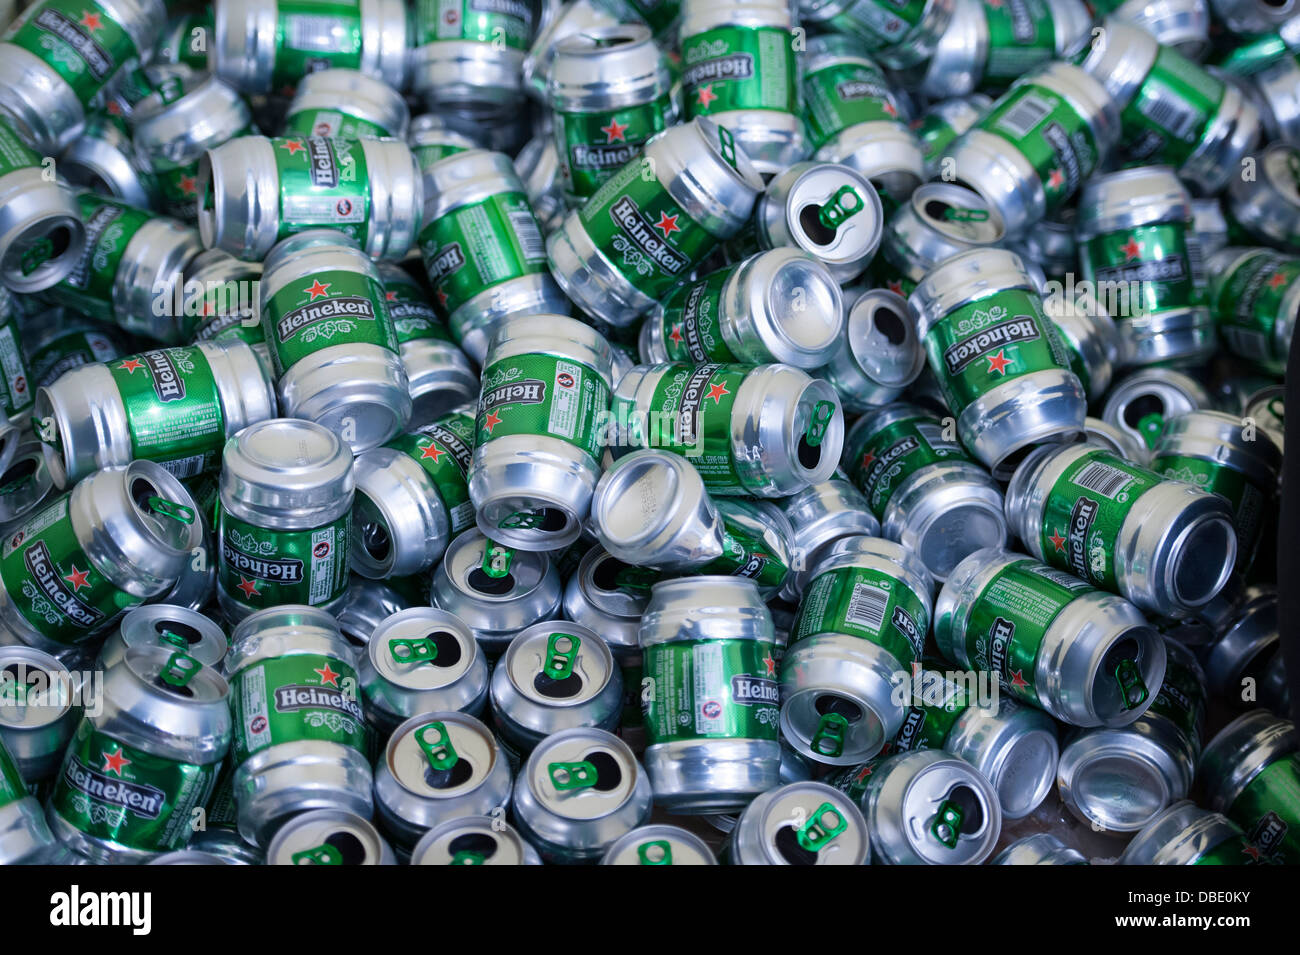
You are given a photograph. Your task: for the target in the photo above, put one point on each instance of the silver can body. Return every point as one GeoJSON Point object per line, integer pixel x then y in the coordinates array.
{"type": "Point", "coordinates": [36, 733]}
{"type": "Point", "coordinates": [880, 354]}
{"type": "Point", "coordinates": [348, 104]}
{"type": "Point", "coordinates": [1182, 835]}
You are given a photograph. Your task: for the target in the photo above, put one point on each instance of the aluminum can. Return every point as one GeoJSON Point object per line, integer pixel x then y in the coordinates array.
{"type": "Point", "coordinates": [1042, 848]}
{"type": "Point", "coordinates": [255, 191]}
{"type": "Point", "coordinates": [413, 497]}
{"type": "Point", "coordinates": [470, 58]}
{"type": "Point", "coordinates": [1268, 207]}
{"type": "Point", "coordinates": [282, 519]}
{"type": "Point", "coordinates": [1181, 24]}
{"type": "Point", "coordinates": [1140, 403]}
{"type": "Point", "coordinates": [898, 37]}
{"type": "Point", "coordinates": [1244, 647]}
{"type": "Point", "coordinates": [103, 159]}
{"type": "Point", "coordinates": [659, 844]}
{"type": "Point", "coordinates": [300, 732]}
{"type": "Point", "coordinates": [482, 248]}
{"type": "Point", "coordinates": [260, 47]}
{"type": "Point", "coordinates": [1278, 101]}
{"type": "Point", "coordinates": [770, 432]}
{"type": "Point", "coordinates": [42, 237]}
{"type": "Point", "coordinates": [496, 590]}
{"type": "Point", "coordinates": [63, 340]}
{"type": "Point", "coordinates": [645, 229]}
{"type": "Point", "coordinates": [25, 836]}
{"type": "Point", "coordinates": [879, 354]}
{"type": "Point", "coordinates": [572, 18]}
{"type": "Point", "coordinates": [1186, 835]}
{"type": "Point", "coordinates": [782, 305]}
{"type": "Point", "coordinates": [922, 486]}
{"type": "Point", "coordinates": [999, 359]}
{"type": "Point", "coordinates": [538, 168]}
{"type": "Point", "coordinates": [1088, 658]}
{"type": "Point", "coordinates": [40, 707]}
{"type": "Point", "coordinates": [938, 220]}
{"type": "Point", "coordinates": [1090, 336]}
{"type": "Point", "coordinates": [862, 623]}
{"type": "Point", "coordinates": [1172, 110]}
{"type": "Point", "coordinates": [220, 299]}
{"type": "Point", "coordinates": [421, 660]}
{"type": "Point", "coordinates": [1247, 17]}
{"type": "Point", "coordinates": [369, 603]}
{"type": "Point", "coordinates": [1250, 773]}
{"type": "Point", "coordinates": [167, 626]}
{"type": "Point", "coordinates": [942, 123]}
{"type": "Point", "coordinates": [821, 515]}
{"type": "Point", "coordinates": [1101, 434]}
{"type": "Point", "coordinates": [1254, 295]}
{"type": "Point", "coordinates": [473, 840]}
{"type": "Point", "coordinates": [134, 773]}
{"type": "Point", "coordinates": [25, 482]}
{"type": "Point", "coordinates": [608, 91]}
{"type": "Point", "coordinates": [1163, 545]}
{"type": "Point", "coordinates": [328, 837]}
{"type": "Point", "coordinates": [347, 104]}
{"type": "Point", "coordinates": [438, 766]}
{"type": "Point", "coordinates": [580, 790]}
{"type": "Point", "coordinates": [431, 139]}
{"type": "Point", "coordinates": [802, 823]}
{"type": "Point", "coordinates": [711, 719]}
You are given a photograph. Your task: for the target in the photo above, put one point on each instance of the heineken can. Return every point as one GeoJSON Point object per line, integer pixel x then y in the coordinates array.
{"type": "Point", "coordinates": [1086, 657]}
{"type": "Point", "coordinates": [1254, 295]}
{"type": "Point", "coordinates": [711, 707]}
{"type": "Point", "coordinates": [1185, 834]}
{"type": "Point", "coordinates": [439, 375]}
{"type": "Point", "coordinates": [821, 515]}
{"type": "Point", "coordinates": [1172, 110]}
{"type": "Point", "coordinates": [40, 706]}
{"type": "Point", "coordinates": [925, 808]}
{"type": "Point", "coordinates": [854, 118]}
{"type": "Point", "coordinates": [300, 732]}
{"type": "Point", "coordinates": [133, 774]}
{"type": "Point", "coordinates": [412, 497]}
{"type": "Point", "coordinates": [369, 603]}
{"type": "Point", "coordinates": [862, 623]}
{"type": "Point", "coordinates": [328, 837]}
{"type": "Point", "coordinates": [1118, 780]}
{"type": "Point", "coordinates": [496, 590]}
{"type": "Point", "coordinates": [473, 840]}
{"type": "Point", "coordinates": [1181, 24]}
{"type": "Point", "coordinates": [42, 237]}
{"type": "Point", "coordinates": [1140, 403]}
{"type": "Point", "coordinates": [121, 537]}
{"type": "Point", "coordinates": [924, 489]}
{"type": "Point", "coordinates": [659, 844]}
{"type": "Point", "coordinates": [658, 218]}
{"type": "Point", "coordinates": [1244, 648]}
{"type": "Point", "coordinates": [1101, 434]}
{"type": "Point", "coordinates": [580, 791]}
{"type": "Point", "coordinates": [897, 36]}
{"type": "Point", "coordinates": [347, 104]}
{"type": "Point", "coordinates": [438, 766]}
{"type": "Point", "coordinates": [64, 340]}
{"type": "Point", "coordinates": [782, 305]}
{"type": "Point", "coordinates": [574, 18]}
{"type": "Point", "coordinates": [482, 248]}
{"type": "Point", "coordinates": [1267, 207]}
{"type": "Point", "coordinates": [179, 410]}
{"type": "Point", "coordinates": [169, 627]}
{"type": "Point", "coordinates": [998, 358]}
{"type": "Point", "coordinates": [103, 160]}
{"type": "Point", "coordinates": [770, 432]}
{"type": "Point", "coordinates": [431, 139]}
{"type": "Point", "coordinates": [469, 57]}
{"type": "Point", "coordinates": [1042, 848]}
{"type": "Point", "coordinates": [261, 47]}
{"type": "Point", "coordinates": [25, 836]}
{"type": "Point", "coordinates": [794, 769]}
{"type": "Point", "coordinates": [421, 660]}
{"type": "Point", "coordinates": [1212, 451]}
{"type": "Point", "coordinates": [254, 192]}
{"type": "Point", "coordinates": [1250, 772]}
{"type": "Point", "coordinates": [219, 300]}
{"type": "Point", "coordinates": [538, 168]}
{"type": "Point", "coordinates": [1163, 545]}
{"type": "Point", "coordinates": [1091, 339]}
{"type": "Point", "coordinates": [939, 220]}
{"type": "Point", "coordinates": [25, 484]}
{"type": "Point", "coordinates": [802, 823]}
{"type": "Point", "coordinates": [608, 91]}
{"type": "Point", "coordinates": [880, 353]}
{"type": "Point", "coordinates": [282, 518]}
{"type": "Point", "coordinates": [941, 124]}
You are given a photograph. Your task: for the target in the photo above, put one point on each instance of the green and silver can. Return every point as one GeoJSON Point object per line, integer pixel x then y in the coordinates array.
{"type": "Point", "coordinates": [1185, 834]}
{"type": "Point", "coordinates": [1250, 772]}
{"type": "Point", "coordinates": [1254, 296]}
{"type": "Point", "coordinates": [803, 823]}
{"type": "Point", "coordinates": [346, 104]}
{"type": "Point", "coordinates": [328, 837]}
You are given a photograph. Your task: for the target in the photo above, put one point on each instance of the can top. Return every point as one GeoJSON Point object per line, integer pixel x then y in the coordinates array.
{"type": "Point", "coordinates": [369, 602]}
{"type": "Point", "coordinates": [556, 663]}
{"type": "Point", "coordinates": [1239, 752]}
{"type": "Point", "coordinates": [473, 840]}
{"type": "Point", "coordinates": [831, 211]}
{"type": "Point", "coordinates": [647, 503]}
{"type": "Point", "coordinates": [178, 131]}
{"type": "Point", "coordinates": [36, 690]}
{"type": "Point", "coordinates": [882, 338]}
{"type": "Point", "coordinates": [176, 628]}
{"type": "Point", "coordinates": [328, 837]}
{"type": "Point", "coordinates": [527, 592]}
{"type": "Point", "coordinates": [794, 302]}
{"type": "Point", "coordinates": [940, 220]}
{"type": "Point", "coordinates": [440, 756]}
{"type": "Point", "coordinates": [287, 467]}
{"type": "Point", "coordinates": [581, 773]}
{"type": "Point", "coordinates": [708, 172]}
{"type": "Point", "coordinates": [659, 845]}
{"type": "Point", "coordinates": [162, 673]}
{"type": "Point", "coordinates": [1121, 778]}
{"type": "Point", "coordinates": [595, 597]}
{"type": "Point", "coordinates": [606, 67]}
{"type": "Point", "coordinates": [467, 177]}
{"type": "Point", "coordinates": [1121, 57]}
{"type": "Point", "coordinates": [1128, 198]}
{"type": "Point", "coordinates": [421, 648]}
{"type": "Point", "coordinates": [354, 93]}
{"type": "Point", "coordinates": [804, 823]}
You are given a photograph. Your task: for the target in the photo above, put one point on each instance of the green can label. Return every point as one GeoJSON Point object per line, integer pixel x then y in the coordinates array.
{"type": "Point", "coordinates": [313, 35]}
{"type": "Point", "coordinates": [1163, 261]}
{"type": "Point", "coordinates": [843, 95]}
{"type": "Point", "coordinates": [937, 704]}
{"type": "Point", "coordinates": [178, 188]}
{"type": "Point", "coordinates": [867, 603]}
{"type": "Point", "coordinates": [12, 787]}
{"type": "Point", "coordinates": [594, 146]}
{"type": "Point", "coordinates": [546, 396]}
{"type": "Point", "coordinates": [744, 555]}
{"type": "Point", "coordinates": [305, 696]}
{"type": "Point", "coordinates": [1085, 511]}
{"type": "Point", "coordinates": [1268, 809]}
{"type": "Point", "coordinates": [333, 123]}
{"type": "Point", "coordinates": [77, 39]}
{"type": "Point", "coordinates": [1247, 303]}
{"type": "Point", "coordinates": [15, 378]}
{"type": "Point", "coordinates": [427, 155]}
{"type": "Point", "coordinates": [331, 307]}
{"type": "Point", "coordinates": [112, 791]}
{"type": "Point", "coordinates": [444, 448]}
{"type": "Point", "coordinates": [692, 330]}
{"type": "Point", "coordinates": [935, 134]}
{"type": "Point", "coordinates": [711, 689]}
{"type": "Point", "coordinates": [1231, 851]}
{"type": "Point", "coordinates": [1165, 121]}
{"type": "Point", "coordinates": [70, 350]}
{"type": "Point", "coordinates": [323, 182]}
{"type": "Point", "coordinates": [888, 457]}
{"type": "Point", "coordinates": [507, 23]}
{"type": "Point", "coordinates": [730, 68]}
{"type": "Point", "coordinates": [110, 227]}
{"type": "Point", "coordinates": [260, 567]}
{"type": "Point", "coordinates": [1246, 499]}
{"type": "Point", "coordinates": [986, 343]}
{"type": "Point", "coordinates": [1181, 700]}
{"type": "Point", "coordinates": [1021, 37]}
{"type": "Point", "coordinates": [886, 22]}
{"type": "Point", "coordinates": [14, 153]}
{"type": "Point", "coordinates": [413, 317]}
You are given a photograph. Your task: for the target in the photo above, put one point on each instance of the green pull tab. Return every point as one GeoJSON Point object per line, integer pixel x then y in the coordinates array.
{"type": "Point", "coordinates": [823, 826]}
{"type": "Point", "coordinates": [956, 214]}
{"type": "Point", "coordinates": [179, 669]}
{"type": "Point", "coordinates": [561, 655]}
{"type": "Point", "coordinates": [434, 739]}
{"type": "Point", "coordinates": [1131, 685]}
{"type": "Point", "coordinates": [636, 579]}
{"type": "Point", "coordinates": [522, 520]}
{"type": "Point", "coordinates": [36, 255]}
{"type": "Point", "coordinates": [417, 650]}
{"type": "Point", "coordinates": [177, 512]}
{"type": "Point", "coordinates": [568, 776]}
{"type": "Point", "coordinates": [465, 857]}
{"type": "Point", "coordinates": [822, 414]}
{"type": "Point", "coordinates": [1149, 426]}
{"type": "Point", "coordinates": [497, 559]}
{"type": "Point", "coordinates": [727, 146]}
{"type": "Point", "coordinates": [172, 640]}
{"type": "Point", "coordinates": [655, 852]}
{"type": "Point", "coordinates": [321, 855]}
{"type": "Point", "coordinates": [828, 740]}
{"type": "Point", "coordinates": [947, 823]}
{"type": "Point", "coordinates": [838, 209]}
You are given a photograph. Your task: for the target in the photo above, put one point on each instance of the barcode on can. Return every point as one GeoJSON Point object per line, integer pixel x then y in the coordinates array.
{"type": "Point", "coordinates": [529, 236]}
{"type": "Point", "coordinates": [566, 400]}
{"type": "Point", "coordinates": [257, 728]}
{"type": "Point", "coordinates": [933, 435]}
{"type": "Point", "coordinates": [319, 34]}
{"type": "Point", "coordinates": [1195, 261]}
{"type": "Point", "coordinates": [322, 565]}
{"type": "Point", "coordinates": [1171, 113]}
{"type": "Point", "coordinates": [707, 675]}
{"type": "Point", "coordinates": [184, 467]}
{"type": "Point", "coordinates": [1102, 479]}
{"type": "Point", "coordinates": [1021, 119]}
{"type": "Point", "coordinates": [867, 607]}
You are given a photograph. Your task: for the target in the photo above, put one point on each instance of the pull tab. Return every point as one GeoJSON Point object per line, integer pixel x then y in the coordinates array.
{"type": "Point", "coordinates": [822, 414]}
{"type": "Point", "coordinates": [321, 855]}
{"type": "Point", "coordinates": [36, 255]}
{"type": "Point", "coordinates": [839, 209]}
{"type": "Point", "coordinates": [636, 579]}
{"type": "Point", "coordinates": [1131, 685]}
{"type": "Point", "coordinates": [956, 214]}
{"type": "Point", "coordinates": [179, 669]}
{"type": "Point", "coordinates": [828, 740]}
{"type": "Point", "coordinates": [561, 655]}
{"type": "Point", "coordinates": [434, 739]}
{"type": "Point", "coordinates": [417, 650]}
{"type": "Point", "coordinates": [1149, 426]}
{"type": "Point", "coordinates": [522, 520]}
{"type": "Point", "coordinates": [465, 857]}
{"type": "Point", "coordinates": [727, 146]}
{"type": "Point", "coordinates": [167, 638]}
{"type": "Point", "coordinates": [570, 776]}
{"type": "Point", "coordinates": [655, 852]}
{"type": "Point", "coordinates": [947, 823]}
{"type": "Point", "coordinates": [497, 559]}
{"type": "Point", "coordinates": [177, 512]}
{"type": "Point", "coordinates": [816, 832]}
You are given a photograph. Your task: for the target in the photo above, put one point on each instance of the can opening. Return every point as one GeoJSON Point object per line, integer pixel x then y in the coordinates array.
{"type": "Point", "coordinates": [459, 773]}
{"type": "Point", "coordinates": [1141, 407]}
{"type": "Point", "coordinates": [17, 474]}
{"type": "Point", "coordinates": [891, 325]}
{"type": "Point", "coordinates": [787, 844]}
{"type": "Point", "coordinates": [809, 456]}
{"type": "Point", "coordinates": [1202, 566]}
{"type": "Point", "coordinates": [349, 846]}
{"type": "Point", "coordinates": [479, 843]}
{"type": "Point", "coordinates": [840, 706]}
{"type": "Point", "coordinates": [564, 689]}
{"type": "Point", "coordinates": [810, 218]}
{"type": "Point", "coordinates": [160, 681]}
{"type": "Point", "coordinates": [446, 647]}
{"type": "Point", "coordinates": [141, 491]}
{"type": "Point", "coordinates": [173, 628]}
{"type": "Point", "coordinates": [608, 772]}
{"type": "Point", "coordinates": [968, 801]}
{"type": "Point", "coordinates": [375, 539]}
{"type": "Point", "coordinates": [492, 586]}
{"type": "Point", "coordinates": [24, 678]}
{"type": "Point", "coordinates": [605, 576]}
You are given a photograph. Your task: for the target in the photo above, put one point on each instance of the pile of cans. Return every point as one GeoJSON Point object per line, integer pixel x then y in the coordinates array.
{"type": "Point", "coordinates": [649, 432]}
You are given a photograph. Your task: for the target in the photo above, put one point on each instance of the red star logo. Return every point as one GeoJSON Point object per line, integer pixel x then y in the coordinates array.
{"type": "Point", "coordinates": [293, 146]}
{"type": "Point", "coordinates": [1057, 541]}
{"type": "Point", "coordinates": [316, 289]}
{"type": "Point", "coordinates": [1018, 681]}
{"type": "Point", "coordinates": [431, 450]}
{"type": "Point", "coordinates": [1055, 179]}
{"type": "Point", "coordinates": [130, 364]}
{"type": "Point", "coordinates": [78, 579]}
{"type": "Point", "coordinates": [249, 587]}
{"type": "Point", "coordinates": [113, 762]}
{"type": "Point", "coordinates": [1277, 281]}
{"type": "Point", "coordinates": [868, 458]}
{"type": "Point", "coordinates": [676, 335]}
{"type": "Point", "coordinates": [889, 108]}
{"type": "Point", "coordinates": [1131, 249]}
{"type": "Point", "coordinates": [1252, 851]}
{"type": "Point", "coordinates": [189, 186]}
{"type": "Point", "coordinates": [442, 297]}
{"type": "Point", "coordinates": [769, 664]}
{"type": "Point", "coordinates": [491, 421]}
{"type": "Point", "coordinates": [999, 363]}
{"type": "Point", "coordinates": [995, 4]}
{"type": "Point", "coordinates": [863, 773]}
{"type": "Point", "coordinates": [667, 224]}
{"type": "Point", "coordinates": [716, 391]}
{"type": "Point", "coordinates": [614, 131]}
{"type": "Point", "coordinates": [706, 96]}
{"type": "Point", "coordinates": [895, 286]}
{"type": "Point", "coordinates": [328, 676]}
{"type": "Point", "coordinates": [114, 108]}
{"type": "Point", "coordinates": [390, 296]}
{"type": "Point", "coordinates": [91, 21]}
